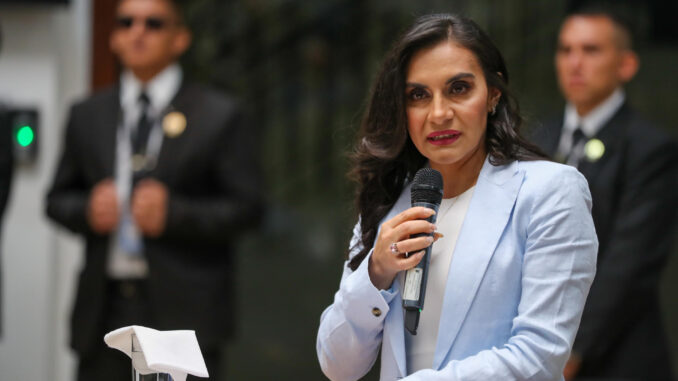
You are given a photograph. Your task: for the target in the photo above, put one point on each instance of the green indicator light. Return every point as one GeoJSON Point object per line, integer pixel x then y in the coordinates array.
{"type": "Point", "coordinates": [420, 310]}
{"type": "Point", "coordinates": [25, 136]}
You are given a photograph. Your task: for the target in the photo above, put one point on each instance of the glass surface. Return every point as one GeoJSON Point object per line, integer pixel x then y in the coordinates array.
{"type": "Point", "coordinates": [140, 370]}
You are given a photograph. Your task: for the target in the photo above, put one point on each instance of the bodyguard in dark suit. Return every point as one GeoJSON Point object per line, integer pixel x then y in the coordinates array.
{"type": "Point", "coordinates": [631, 168]}
{"type": "Point", "coordinates": [159, 176]}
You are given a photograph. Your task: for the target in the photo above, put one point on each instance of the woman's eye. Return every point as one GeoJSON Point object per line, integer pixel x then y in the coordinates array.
{"type": "Point", "coordinates": [459, 88]}
{"type": "Point", "coordinates": [417, 94]}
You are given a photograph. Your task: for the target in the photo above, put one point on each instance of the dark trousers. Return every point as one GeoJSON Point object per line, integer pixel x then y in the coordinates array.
{"type": "Point", "coordinates": [128, 305]}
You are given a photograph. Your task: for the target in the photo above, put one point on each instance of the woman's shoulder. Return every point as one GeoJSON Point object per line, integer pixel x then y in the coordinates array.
{"type": "Point", "coordinates": [547, 170]}
{"type": "Point", "coordinates": [548, 176]}
{"type": "Point", "coordinates": [545, 167]}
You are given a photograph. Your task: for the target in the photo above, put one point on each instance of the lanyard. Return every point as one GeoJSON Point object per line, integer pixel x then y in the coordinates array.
{"type": "Point", "coordinates": [148, 161]}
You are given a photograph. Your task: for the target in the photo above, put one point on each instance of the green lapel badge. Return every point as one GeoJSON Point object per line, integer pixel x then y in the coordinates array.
{"type": "Point", "coordinates": [594, 150]}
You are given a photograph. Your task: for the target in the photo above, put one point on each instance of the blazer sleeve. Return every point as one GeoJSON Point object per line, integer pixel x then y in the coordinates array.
{"type": "Point", "coordinates": [558, 267]}
{"type": "Point", "coordinates": [636, 250]}
{"type": "Point", "coordinates": [68, 195]}
{"type": "Point", "coordinates": [235, 204]}
{"type": "Point", "coordinates": [350, 333]}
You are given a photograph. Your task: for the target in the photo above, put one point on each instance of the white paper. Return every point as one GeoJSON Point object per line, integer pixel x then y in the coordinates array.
{"type": "Point", "coordinates": [173, 352]}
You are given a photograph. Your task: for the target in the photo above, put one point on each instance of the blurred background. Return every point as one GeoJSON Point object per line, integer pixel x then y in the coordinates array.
{"type": "Point", "coordinates": [303, 69]}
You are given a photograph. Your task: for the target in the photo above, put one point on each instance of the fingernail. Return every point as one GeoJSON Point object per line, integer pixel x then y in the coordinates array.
{"type": "Point", "coordinates": [429, 239]}
{"type": "Point", "coordinates": [433, 228]}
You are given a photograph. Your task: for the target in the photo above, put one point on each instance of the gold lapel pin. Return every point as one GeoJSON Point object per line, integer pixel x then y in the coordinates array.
{"type": "Point", "coordinates": [174, 124]}
{"type": "Point", "coordinates": [594, 150]}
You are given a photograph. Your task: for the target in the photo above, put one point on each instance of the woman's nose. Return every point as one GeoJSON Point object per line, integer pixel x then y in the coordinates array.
{"type": "Point", "coordinates": [441, 110]}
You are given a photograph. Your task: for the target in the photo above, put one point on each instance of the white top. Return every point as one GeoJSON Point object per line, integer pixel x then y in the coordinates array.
{"type": "Point", "coordinates": [590, 123]}
{"type": "Point", "coordinates": [160, 91]}
{"type": "Point", "coordinates": [421, 347]}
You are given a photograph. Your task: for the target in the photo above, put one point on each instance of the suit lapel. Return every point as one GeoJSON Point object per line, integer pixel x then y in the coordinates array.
{"type": "Point", "coordinates": [181, 103]}
{"type": "Point", "coordinates": [611, 137]}
{"type": "Point", "coordinates": [493, 200]}
{"type": "Point", "coordinates": [552, 137]}
{"type": "Point", "coordinates": [547, 135]}
{"type": "Point", "coordinates": [107, 135]}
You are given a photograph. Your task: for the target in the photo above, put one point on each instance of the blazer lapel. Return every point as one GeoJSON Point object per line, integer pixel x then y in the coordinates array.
{"type": "Point", "coordinates": [394, 337]}
{"type": "Point", "coordinates": [493, 200]}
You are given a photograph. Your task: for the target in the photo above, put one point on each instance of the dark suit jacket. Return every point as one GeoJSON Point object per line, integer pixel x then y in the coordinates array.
{"type": "Point", "coordinates": [213, 181]}
{"type": "Point", "coordinates": [6, 169]}
{"type": "Point", "coordinates": [633, 186]}
{"type": "Point", "coordinates": [6, 161]}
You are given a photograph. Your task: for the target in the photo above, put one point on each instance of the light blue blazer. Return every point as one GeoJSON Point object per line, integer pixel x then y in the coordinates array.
{"type": "Point", "coordinates": [519, 276]}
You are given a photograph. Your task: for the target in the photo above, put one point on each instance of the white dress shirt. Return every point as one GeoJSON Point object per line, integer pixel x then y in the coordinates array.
{"type": "Point", "coordinates": [160, 91]}
{"type": "Point", "coordinates": [590, 124]}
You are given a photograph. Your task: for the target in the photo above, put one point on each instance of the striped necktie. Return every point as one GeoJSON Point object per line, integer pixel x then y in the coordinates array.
{"type": "Point", "coordinates": [143, 130]}
{"type": "Point", "coordinates": [574, 155]}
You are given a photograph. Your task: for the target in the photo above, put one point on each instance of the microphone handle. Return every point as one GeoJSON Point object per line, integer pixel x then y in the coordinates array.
{"type": "Point", "coordinates": [416, 278]}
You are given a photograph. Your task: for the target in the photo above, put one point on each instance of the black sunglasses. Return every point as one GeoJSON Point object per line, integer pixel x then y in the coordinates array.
{"type": "Point", "coordinates": [151, 23]}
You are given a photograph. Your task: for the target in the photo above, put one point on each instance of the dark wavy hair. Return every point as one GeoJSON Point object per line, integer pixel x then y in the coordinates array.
{"type": "Point", "coordinates": [385, 158]}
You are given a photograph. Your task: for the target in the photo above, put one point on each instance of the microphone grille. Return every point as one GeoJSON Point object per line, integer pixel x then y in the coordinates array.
{"type": "Point", "coordinates": [427, 186]}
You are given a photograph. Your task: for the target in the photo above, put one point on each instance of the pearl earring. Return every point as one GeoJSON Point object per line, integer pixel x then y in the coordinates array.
{"type": "Point", "coordinates": [493, 110]}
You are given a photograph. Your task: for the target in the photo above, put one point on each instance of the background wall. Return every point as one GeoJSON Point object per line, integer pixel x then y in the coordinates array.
{"type": "Point", "coordinates": [44, 63]}
{"type": "Point", "coordinates": [303, 68]}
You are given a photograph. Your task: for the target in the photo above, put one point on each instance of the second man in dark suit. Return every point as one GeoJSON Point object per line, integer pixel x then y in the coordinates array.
{"type": "Point", "coordinates": [631, 169]}
{"type": "Point", "coordinates": [159, 176]}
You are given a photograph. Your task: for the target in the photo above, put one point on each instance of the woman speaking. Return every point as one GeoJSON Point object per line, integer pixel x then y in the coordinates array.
{"type": "Point", "coordinates": [515, 249]}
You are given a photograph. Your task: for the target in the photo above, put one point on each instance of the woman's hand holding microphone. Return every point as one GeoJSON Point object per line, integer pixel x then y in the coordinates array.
{"type": "Point", "coordinates": [390, 254]}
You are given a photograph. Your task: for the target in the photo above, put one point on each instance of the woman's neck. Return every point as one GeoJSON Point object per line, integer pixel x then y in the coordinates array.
{"type": "Point", "coordinates": [458, 178]}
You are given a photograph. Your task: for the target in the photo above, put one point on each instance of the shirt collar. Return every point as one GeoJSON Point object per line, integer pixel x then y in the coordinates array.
{"type": "Point", "coordinates": [160, 90]}
{"type": "Point", "coordinates": [596, 119]}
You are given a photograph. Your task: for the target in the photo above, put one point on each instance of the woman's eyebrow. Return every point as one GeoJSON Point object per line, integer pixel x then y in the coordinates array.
{"type": "Point", "coordinates": [414, 84]}
{"type": "Point", "coordinates": [454, 78]}
{"type": "Point", "coordinates": [460, 76]}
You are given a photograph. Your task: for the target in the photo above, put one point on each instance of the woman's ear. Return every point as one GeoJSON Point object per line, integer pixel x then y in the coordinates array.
{"type": "Point", "coordinates": [493, 98]}
{"type": "Point", "coordinates": [494, 94]}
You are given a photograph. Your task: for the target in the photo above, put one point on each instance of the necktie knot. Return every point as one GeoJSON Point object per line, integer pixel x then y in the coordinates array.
{"type": "Point", "coordinates": [577, 136]}
{"type": "Point", "coordinates": [573, 156]}
{"type": "Point", "coordinates": [144, 100]}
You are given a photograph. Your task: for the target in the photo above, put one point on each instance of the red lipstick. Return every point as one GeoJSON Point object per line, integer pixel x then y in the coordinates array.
{"type": "Point", "coordinates": [442, 138]}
